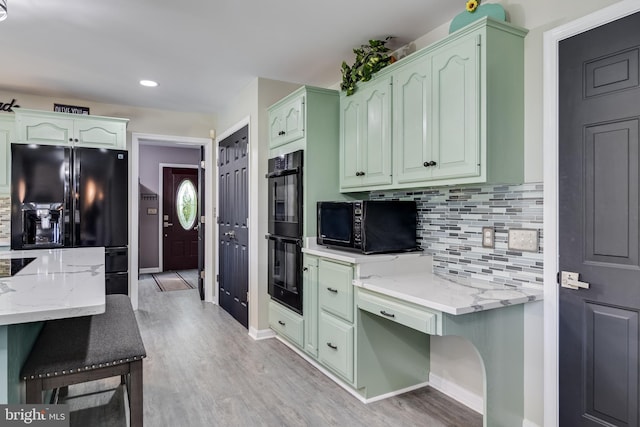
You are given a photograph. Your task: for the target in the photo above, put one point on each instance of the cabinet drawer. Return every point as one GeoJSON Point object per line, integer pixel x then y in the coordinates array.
{"type": "Point", "coordinates": [420, 319]}
{"type": "Point", "coordinates": [335, 288]}
{"type": "Point", "coordinates": [336, 345]}
{"type": "Point", "coordinates": [286, 323]}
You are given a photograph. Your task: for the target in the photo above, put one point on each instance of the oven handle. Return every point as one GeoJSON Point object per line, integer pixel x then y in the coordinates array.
{"type": "Point", "coordinates": [284, 172]}
{"type": "Point", "coordinates": [284, 239]}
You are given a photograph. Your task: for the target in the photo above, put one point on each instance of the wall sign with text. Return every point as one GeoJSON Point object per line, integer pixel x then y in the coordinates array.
{"type": "Point", "coordinates": [71, 109]}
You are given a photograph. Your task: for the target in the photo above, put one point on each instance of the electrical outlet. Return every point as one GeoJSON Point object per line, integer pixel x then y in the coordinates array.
{"type": "Point", "coordinates": [523, 239]}
{"type": "Point", "coordinates": [488, 237]}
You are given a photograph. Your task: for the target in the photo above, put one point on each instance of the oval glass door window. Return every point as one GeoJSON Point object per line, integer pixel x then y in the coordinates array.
{"type": "Point", "coordinates": [187, 204]}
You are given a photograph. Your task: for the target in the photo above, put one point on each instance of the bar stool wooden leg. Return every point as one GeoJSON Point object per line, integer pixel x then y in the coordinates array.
{"type": "Point", "coordinates": [34, 391]}
{"type": "Point", "coordinates": [135, 393]}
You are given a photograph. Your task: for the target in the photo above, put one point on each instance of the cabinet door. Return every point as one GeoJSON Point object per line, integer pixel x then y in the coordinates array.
{"type": "Point", "coordinates": [412, 128]}
{"type": "Point", "coordinates": [375, 151]}
{"type": "Point", "coordinates": [310, 304]}
{"type": "Point", "coordinates": [100, 134]}
{"type": "Point", "coordinates": [456, 109]}
{"type": "Point", "coordinates": [286, 124]}
{"type": "Point", "coordinates": [336, 345]}
{"type": "Point", "coordinates": [335, 288]}
{"type": "Point", "coordinates": [350, 141]}
{"type": "Point", "coordinates": [7, 134]}
{"type": "Point", "coordinates": [44, 130]}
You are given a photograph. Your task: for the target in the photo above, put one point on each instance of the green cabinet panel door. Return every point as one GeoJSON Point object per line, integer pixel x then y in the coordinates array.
{"type": "Point", "coordinates": [310, 304]}
{"type": "Point", "coordinates": [37, 129]}
{"type": "Point", "coordinates": [456, 109]}
{"type": "Point", "coordinates": [365, 136]}
{"type": "Point", "coordinates": [286, 123]}
{"type": "Point", "coordinates": [7, 135]}
{"type": "Point", "coordinates": [335, 288]}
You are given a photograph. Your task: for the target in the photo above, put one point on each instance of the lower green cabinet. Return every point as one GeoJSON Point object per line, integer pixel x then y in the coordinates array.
{"type": "Point", "coordinates": [286, 323]}
{"type": "Point", "coordinates": [336, 345]}
{"type": "Point", "coordinates": [7, 134]}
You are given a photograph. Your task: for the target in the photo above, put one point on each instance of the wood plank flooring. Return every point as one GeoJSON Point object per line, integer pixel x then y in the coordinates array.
{"type": "Point", "coordinates": [203, 369]}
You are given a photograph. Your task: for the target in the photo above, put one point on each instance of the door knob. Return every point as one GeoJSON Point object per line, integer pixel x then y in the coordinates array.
{"type": "Point", "coordinates": [231, 234]}
{"type": "Point", "coordinates": [167, 224]}
{"type": "Point", "coordinates": [570, 280]}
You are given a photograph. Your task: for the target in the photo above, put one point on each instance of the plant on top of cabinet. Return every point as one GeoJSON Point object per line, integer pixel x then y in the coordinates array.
{"type": "Point", "coordinates": [370, 59]}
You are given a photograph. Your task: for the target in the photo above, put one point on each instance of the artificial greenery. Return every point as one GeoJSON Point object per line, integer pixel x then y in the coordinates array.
{"type": "Point", "coordinates": [370, 59]}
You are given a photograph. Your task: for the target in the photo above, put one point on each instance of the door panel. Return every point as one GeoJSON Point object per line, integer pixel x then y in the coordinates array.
{"type": "Point", "coordinates": [180, 244]}
{"type": "Point", "coordinates": [201, 225]}
{"type": "Point", "coordinates": [599, 327]}
{"type": "Point", "coordinates": [232, 225]}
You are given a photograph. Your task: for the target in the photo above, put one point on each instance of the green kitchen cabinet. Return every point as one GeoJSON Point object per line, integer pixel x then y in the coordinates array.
{"type": "Point", "coordinates": [437, 115]}
{"type": "Point", "coordinates": [286, 323]}
{"type": "Point", "coordinates": [7, 135]}
{"type": "Point", "coordinates": [336, 326]}
{"type": "Point", "coordinates": [458, 113]}
{"type": "Point", "coordinates": [51, 128]}
{"type": "Point", "coordinates": [365, 137]}
{"type": "Point", "coordinates": [310, 304]}
{"type": "Point", "coordinates": [286, 121]}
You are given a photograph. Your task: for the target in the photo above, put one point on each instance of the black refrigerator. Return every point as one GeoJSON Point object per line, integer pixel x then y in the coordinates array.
{"type": "Point", "coordinates": [64, 197]}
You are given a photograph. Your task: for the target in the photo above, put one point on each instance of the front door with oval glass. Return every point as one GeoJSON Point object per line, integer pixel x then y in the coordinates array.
{"type": "Point", "coordinates": [180, 218]}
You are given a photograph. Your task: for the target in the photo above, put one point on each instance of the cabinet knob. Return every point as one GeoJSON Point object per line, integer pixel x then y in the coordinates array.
{"type": "Point", "coordinates": [281, 133]}
{"type": "Point", "coordinates": [425, 164]}
{"type": "Point", "coordinates": [360, 173]}
{"type": "Point", "coordinates": [432, 163]}
{"type": "Point", "coordinates": [305, 269]}
{"type": "Point", "coordinates": [70, 139]}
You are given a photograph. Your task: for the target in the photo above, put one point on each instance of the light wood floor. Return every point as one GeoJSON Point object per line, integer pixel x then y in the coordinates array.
{"type": "Point", "coordinates": [203, 370]}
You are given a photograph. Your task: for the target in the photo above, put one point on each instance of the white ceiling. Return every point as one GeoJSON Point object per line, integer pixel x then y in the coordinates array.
{"type": "Point", "coordinates": [201, 52]}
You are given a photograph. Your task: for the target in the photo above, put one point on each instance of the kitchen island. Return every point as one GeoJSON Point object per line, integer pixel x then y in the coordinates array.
{"type": "Point", "coordinates": [399, 303]}
{"type": "Point", "coordinates": [50, 284]}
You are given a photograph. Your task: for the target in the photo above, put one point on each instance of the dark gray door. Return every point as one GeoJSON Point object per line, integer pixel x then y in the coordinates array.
{"type": "Point", "coordinates": [599, 104]}
{"type": "Point", "coordinates": [201, 225]}
{"type": "Point", "coordinates": [232, 225]}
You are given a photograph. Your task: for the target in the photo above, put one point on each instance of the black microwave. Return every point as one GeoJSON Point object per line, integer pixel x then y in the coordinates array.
{"type": "Point", "coordinates": [368, 226]}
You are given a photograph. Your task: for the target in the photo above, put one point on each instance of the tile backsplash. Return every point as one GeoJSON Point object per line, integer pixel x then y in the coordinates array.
{"type": "Point", "coordinates": [450, 221]}
{"type": "Point", "coordinates": [5, 218]}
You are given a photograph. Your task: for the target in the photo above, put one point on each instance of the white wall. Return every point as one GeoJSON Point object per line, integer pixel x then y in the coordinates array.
{"type": "Point", "coordinates": [252, 103]}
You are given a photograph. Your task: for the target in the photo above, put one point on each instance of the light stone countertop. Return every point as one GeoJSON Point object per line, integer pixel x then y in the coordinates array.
{"type": "Point", "coordinates": [409, 277]}
{"type": "Point", "coordinates": [59, 283]}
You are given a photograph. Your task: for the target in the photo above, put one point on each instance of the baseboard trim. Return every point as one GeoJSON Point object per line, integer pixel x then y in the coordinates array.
{"type": "Point", "coordinates": [149, 270]}
{"type": "Point", "coordinates": [454, 391]}
{"type": "Point", "coordinates": [527, 423]}
{"type": "Point", "coordinates": [341, 382]}
{"type": "Point", "coordinates": [261, 334]}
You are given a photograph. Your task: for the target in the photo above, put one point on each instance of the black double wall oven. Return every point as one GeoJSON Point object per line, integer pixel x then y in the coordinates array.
{"type": "Point", "coordinates": [285, 229]}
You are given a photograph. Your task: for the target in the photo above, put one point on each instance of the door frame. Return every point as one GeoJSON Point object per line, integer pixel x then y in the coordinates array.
{"type": "Point", "coordinates": [161, 167]}
{"type": "Point", "coordinates": [134, 206]}
{"type": "Point", "coordinates": [551, 40]}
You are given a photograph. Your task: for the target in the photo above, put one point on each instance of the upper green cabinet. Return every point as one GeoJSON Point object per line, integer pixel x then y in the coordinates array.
{"type": "Point", "coordinates": [458, 112]}
{"type": "Point", "coordinates": [286, 121]}
{"type": "Point", "coordinates": [365, 136]}
{"type": "Point", "coordinates": [7, 135]}
{"type": "Point", "coordinates": [42, 127]}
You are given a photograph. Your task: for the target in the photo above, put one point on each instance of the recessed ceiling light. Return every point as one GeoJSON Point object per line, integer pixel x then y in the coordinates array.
{"type": "Point", "coordinates": [148, 83]}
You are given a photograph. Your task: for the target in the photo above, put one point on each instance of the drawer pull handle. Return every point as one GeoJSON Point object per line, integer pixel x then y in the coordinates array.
{"type": "Point", "coordinates": [331, 346]}
{"type": "Point", "coordinates": [282, 323]}
{"type": "Point", "coordinates": [384, 313]}
{"type": "Point", "coordinates": [332, 290]}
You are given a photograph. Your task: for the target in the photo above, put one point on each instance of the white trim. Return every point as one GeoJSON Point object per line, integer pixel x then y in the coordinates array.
{"type": "Point", "coordinates": [161, 166]}
{"type": "Point", "coordinates": [529, 423]}
{"type": "Point", "coordinates": [149, 270]}
{"type": "Point", "coordinates": [454, 391]}
{"type": "Point", "coordinates": [134, 150]}
{"type": "Point", "coordinates": [261, 334]}
{"type": "Point", "coordinates": [550, 107]}
{"type": "Point", "coordinates": [253, 296]}
{"type": "Point", "coordinates": [343, 384]}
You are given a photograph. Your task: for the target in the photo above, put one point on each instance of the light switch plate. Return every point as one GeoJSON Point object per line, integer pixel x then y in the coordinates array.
{"type": "Point", "coordinates": [523, 239]}
{"type": "Point", "coordinates": [488, 237]}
